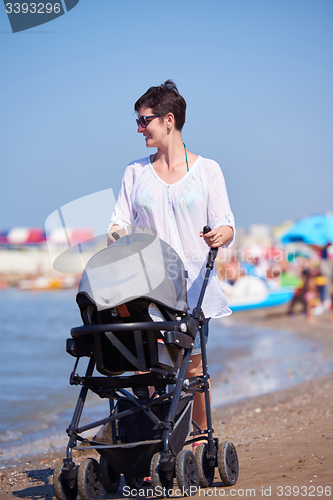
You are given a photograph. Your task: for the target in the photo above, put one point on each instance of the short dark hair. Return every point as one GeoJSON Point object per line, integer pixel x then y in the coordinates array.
{"type": "Point", "coordinates": [163, 100]}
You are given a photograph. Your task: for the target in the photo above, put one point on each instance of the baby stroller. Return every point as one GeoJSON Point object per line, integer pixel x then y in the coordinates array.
{"type": "Point", "coordinates": [138, 336]}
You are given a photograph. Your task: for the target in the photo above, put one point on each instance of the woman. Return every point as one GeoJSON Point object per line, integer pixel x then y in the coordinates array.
{"type": "Point", "coordinates": [177, 193]}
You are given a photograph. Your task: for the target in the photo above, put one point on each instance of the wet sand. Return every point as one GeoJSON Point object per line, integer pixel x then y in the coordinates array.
{"type": "Point", "coordinates": [284, 440]}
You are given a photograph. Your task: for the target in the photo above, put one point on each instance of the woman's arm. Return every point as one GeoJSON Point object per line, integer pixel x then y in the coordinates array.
{"type": "Point", "coordinates": [219, 215]}
{"type": "Point", "coordinates": [115, 229]}
{"type": "Point", "coordinates": [218, 237]}
{"type": "Point", "coordinates": [123, 214]}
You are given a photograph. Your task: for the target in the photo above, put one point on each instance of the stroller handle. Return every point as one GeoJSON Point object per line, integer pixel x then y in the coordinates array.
{"type": "Point", "coordinates": [212, 251]}
{"type": "Point", "coordinates": [197, 311]}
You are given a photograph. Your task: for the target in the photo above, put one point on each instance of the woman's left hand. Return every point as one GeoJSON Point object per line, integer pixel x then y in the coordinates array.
{"type": "Point", "coordinates": [218, 237]}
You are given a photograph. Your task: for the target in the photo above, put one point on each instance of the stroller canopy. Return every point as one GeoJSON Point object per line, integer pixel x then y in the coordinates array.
{"type": "Point", "coordinates": [138, 265]}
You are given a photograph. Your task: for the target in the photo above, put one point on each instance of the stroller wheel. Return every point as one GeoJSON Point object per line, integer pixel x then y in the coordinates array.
{"type": "Point", "coordinates": [227, 462]}
{"type": "Point", "coordinates": [206, 471]}
{"type": "Point", "coordinates": [187, 473]}
{"type": "Point", "coordinates": [64, 489]}
{"type": "Point", "coordinates": [109, 476]}
{"type": "Point", "coordinates": [160, 482]}
{"type": "Point", "coordinates": [134, 483]}
{"type": "Point", "coordinates": [89, 484]}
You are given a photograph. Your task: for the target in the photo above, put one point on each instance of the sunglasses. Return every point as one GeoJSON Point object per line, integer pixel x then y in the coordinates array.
{"type": "Point", "coordinates": [143, 120]}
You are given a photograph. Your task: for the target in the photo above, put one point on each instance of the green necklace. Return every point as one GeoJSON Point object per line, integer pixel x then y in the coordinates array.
{"type": "Point", "coordinates": [185, 157]}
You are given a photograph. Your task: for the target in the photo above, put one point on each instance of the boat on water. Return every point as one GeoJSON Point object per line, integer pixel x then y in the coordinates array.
{"type": "Point", "coordinates": [44, 283]}
{"type": "Point", "coordinates": [249, 292]}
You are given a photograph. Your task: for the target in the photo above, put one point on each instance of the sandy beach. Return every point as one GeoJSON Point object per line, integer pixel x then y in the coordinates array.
{"type": "Point", "coordinates": [284, 440]}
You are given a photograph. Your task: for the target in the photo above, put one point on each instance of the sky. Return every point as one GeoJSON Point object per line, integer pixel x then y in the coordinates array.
{"type": "Point", "coordinates": [257, 76]}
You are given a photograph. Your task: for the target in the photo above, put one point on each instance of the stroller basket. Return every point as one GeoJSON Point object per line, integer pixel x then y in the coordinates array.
{"type": "Point", "coordinates": [140, 438]}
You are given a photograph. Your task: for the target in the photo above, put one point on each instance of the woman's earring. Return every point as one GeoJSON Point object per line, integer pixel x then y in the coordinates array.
{"type": "Point", "coordinates": [169, 127]}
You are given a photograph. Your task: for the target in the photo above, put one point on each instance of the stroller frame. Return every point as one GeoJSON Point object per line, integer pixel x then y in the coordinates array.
{"type": "Point", "coordinates": [164, 454]}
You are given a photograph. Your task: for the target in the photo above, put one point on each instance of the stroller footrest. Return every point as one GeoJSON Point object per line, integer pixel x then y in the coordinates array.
{"type": "Point", "coordinates": [121, 382]}
{"type": "Point", "coordinates": [99, 446]}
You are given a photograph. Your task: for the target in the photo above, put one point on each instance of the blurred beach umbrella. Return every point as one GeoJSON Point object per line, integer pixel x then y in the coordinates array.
{"type": "Point", "coordinates": [274, 253]}
{"type": "Point", "coordinates": [298, 249]}
{"type": "Point", "coordinates": [315, 230]}
{"type": "Point", "coordinates": [4, 237]}
{"type": "Point", "coordinates": [253, 251]}
{"type": "Point", "coordinates": [36, 236]}
{"type": "Point", "coordinates": [23, 236]}
{"type": "Point", "coordinates": [72, 236]}
{"type": "Point", "coordinates": [256, 250]}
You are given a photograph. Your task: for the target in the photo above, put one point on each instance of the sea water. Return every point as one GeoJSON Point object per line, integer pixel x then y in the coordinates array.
{"type": "Point", "coordinates": [246, 360]}
{"type": "Point", "coordinates": [37, 402]}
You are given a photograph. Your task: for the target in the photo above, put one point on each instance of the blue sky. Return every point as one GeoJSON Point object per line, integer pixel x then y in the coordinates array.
{"type": "Point", "coordinates": [257, 76]}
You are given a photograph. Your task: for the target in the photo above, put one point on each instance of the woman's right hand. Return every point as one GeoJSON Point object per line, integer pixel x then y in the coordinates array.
{"type": "Point", "coordinates": [120, 231]}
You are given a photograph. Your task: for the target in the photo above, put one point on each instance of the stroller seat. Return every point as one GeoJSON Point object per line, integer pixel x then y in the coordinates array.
{"type": "Point", "coordinates": [138, 347]}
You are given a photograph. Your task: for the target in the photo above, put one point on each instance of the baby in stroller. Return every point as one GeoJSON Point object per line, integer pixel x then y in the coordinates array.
{"type": "Point", "coordinates": [138, 336]}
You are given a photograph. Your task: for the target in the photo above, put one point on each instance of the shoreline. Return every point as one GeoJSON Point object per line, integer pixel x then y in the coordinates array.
{"type": "Point", "coordinates": [283, 439]}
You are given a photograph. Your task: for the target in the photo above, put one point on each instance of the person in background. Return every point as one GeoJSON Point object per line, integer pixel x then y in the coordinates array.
{"type": "Point", "coordinates": [326, 267]}
{"type": "Point", "coordinates": [299, 294]}
{"type": "Point", "coordinates": [312, 296]}
{"type": "Point", "coordinates": [322, 283]}
{"type": "Point", "coordinates": [231, 270]}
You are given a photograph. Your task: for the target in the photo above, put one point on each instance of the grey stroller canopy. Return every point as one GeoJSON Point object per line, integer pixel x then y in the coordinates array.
{"type": "Point", "coordinates": [137, 265]}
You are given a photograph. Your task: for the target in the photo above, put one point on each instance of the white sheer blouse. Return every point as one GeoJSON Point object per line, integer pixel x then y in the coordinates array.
{"type": "Point", "coordinates": [178, 212]}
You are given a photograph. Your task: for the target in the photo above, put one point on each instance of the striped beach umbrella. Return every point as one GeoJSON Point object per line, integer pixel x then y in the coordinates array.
{"type": "Point", "coordinates": [25, 236]}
